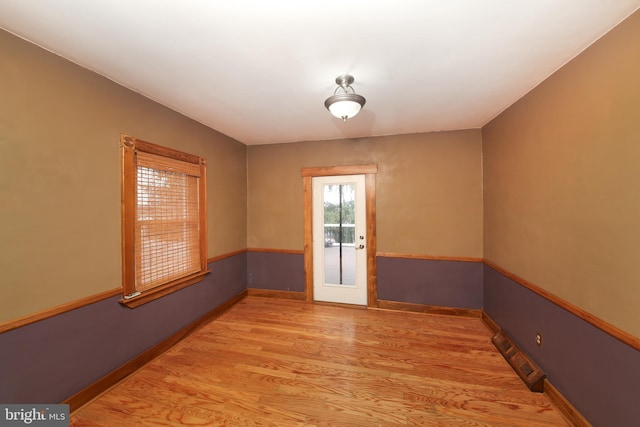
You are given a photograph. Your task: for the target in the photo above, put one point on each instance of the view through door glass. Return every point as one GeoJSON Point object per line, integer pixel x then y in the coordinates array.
{"type": "Point", "coordinates": [339, 234]}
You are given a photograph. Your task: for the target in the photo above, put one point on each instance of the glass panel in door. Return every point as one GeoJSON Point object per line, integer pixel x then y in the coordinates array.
{"type": "Point", "coordinates": [339, 234]}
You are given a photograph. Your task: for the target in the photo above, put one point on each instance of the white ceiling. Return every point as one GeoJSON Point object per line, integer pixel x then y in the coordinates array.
{"type": "Point", "coordinates": [259, 71]}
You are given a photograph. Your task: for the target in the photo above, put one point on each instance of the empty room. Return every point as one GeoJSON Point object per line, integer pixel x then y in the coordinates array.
{"type": "Point", "coordinates": [355, 213]}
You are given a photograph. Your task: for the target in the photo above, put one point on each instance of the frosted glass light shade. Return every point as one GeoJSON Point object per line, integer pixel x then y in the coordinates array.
{"type": "Point", "coordinates": [344, 105]}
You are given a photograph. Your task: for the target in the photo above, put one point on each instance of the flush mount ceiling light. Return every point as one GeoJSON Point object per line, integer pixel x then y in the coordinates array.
{"type": "Point", "coordinates": [347, 103]}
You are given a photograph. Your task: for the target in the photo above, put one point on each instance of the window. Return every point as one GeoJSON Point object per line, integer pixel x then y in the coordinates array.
{"type": "Point", "coordinates": [164, 243]}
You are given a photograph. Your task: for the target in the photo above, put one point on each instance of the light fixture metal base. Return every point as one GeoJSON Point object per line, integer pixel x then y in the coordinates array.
{"type": "Point", "coordinates": [344, 80]}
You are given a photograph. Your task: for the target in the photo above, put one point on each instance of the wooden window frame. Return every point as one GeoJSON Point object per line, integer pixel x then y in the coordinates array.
{"type": "Point", "coordinates": [129, 146]}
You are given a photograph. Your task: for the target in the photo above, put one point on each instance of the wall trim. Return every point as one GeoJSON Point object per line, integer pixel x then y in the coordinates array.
{"type": "Point", "coordinates": [489, 322]}
{"type": "Point", "coordinates": [604, 326]}
{"type": "Point", "coordinates": [429, 257]}
{"type": "Point", "coordinates": [277, 251]}
{"type": "Point", "coordinates": [568, 411]}
{"type": "Point", "coordinates": [54, 311]}
{"type": "Point", "coordinates": [227, 255]}
{"type": "Point", "coordinates": [339, 170]}
{"type": "Point", "coordinates": [429, 309]}
{"type": "Point", "coordinates": [81, 302]}
{"type": "Point", "coordinates": [92, 391]}
{"type": "Point", "coordinates": [271, 293]}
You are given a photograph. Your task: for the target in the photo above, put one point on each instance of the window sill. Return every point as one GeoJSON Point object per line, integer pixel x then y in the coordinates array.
{"type": "Point", "coordinates": [166, 289]}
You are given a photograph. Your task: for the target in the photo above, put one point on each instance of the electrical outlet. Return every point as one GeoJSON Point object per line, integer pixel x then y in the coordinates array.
{"type": "Point", "coordinates": [538, 339]}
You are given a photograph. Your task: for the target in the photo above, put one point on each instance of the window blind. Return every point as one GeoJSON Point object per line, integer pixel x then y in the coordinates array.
{"type": "Point", "coordinates": [167, 242]}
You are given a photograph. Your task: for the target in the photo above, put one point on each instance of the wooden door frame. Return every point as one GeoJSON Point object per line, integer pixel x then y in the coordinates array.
{"type": "Point", "coordinates": [369, 171]}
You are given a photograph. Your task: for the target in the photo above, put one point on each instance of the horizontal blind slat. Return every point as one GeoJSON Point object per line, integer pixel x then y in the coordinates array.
{"type": "Point", "coordinates": [153, 161]}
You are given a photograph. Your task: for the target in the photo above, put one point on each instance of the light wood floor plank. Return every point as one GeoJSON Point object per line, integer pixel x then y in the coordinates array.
{"type": "Point", "coordinates": [269, 362]}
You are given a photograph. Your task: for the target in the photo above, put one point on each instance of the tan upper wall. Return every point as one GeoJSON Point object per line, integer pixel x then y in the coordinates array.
{"type": "Point", "coordinates": [562, 181]}
{"type": "Point", "coordinates": [60, 177]}
{"type": "Point", "coordinates": [428, 191]}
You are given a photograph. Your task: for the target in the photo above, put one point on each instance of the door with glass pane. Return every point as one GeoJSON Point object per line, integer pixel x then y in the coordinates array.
{"type": "Point", "coordinates": [339, 239]}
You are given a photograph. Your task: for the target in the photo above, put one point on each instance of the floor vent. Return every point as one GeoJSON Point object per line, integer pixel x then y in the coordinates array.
{"type": "Point", "coordinates": [528, 371]}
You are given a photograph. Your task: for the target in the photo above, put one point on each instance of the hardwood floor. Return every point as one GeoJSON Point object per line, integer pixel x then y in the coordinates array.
{"type": "Point", "coordinates": [270, 362]}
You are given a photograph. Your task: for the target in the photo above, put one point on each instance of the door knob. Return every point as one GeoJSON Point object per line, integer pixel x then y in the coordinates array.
{"type": "Point", "coordinates": [360, 247]}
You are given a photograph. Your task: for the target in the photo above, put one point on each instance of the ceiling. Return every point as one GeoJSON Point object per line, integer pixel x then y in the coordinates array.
{"type": "Point", "coordinates": [259, 71]}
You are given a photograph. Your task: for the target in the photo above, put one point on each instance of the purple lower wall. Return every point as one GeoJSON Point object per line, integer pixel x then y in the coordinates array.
{"type": "Point", "coordinates": [596, 372]}
{"type": "Point", "coordinates": [275, 271]}
{"type": "Point", "coordinates": [50, 360]}
{"type": "Point", "coordinates": [432, 282]}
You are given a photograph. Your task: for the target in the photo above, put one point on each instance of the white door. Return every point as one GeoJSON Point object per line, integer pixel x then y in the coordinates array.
{"type": "Point", "coordinates": [339, 239]}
